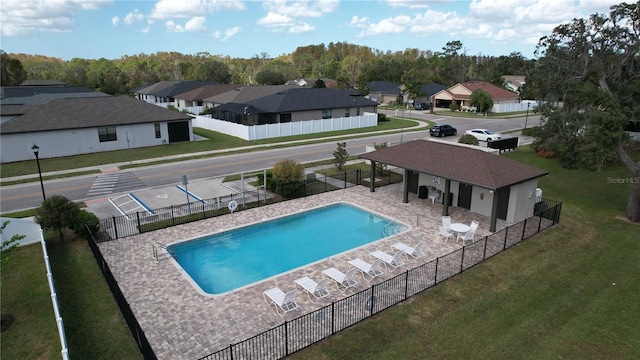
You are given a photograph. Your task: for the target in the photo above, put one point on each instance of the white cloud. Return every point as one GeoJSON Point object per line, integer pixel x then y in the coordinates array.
{"type": "Point", "coordinates": [412, 4]}
{"type": "Point", "coordinates": [170, 9]}
{"type": "Point", "coordinates": [387, 26]}
{"type": "Point", "coordinates": [196, 24]}
{"type": "Point", "coordinates": [25, 17]}
{"type": "Point", "coordinates": [301, 28]}
{"type": "Point", "coordinates": [286, 14]}
{"type": "Point", "coordinates": [359, 22]}
{"type": "Point", "coordinates": [228, 33]}
{"type": "Point", "coordinates": [115, 20]}
{"type": "Point", "coordinates": [133, 16]}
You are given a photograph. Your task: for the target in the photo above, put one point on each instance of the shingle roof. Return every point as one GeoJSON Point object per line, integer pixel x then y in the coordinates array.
{"type": "Point", "coordinates": [89, 112]}
{"type": "Point", "coordinates": [40, 99]}
{"type": "Point", "coordinates": [182, 87]}
{"type": "Point", "coordinates": [248, 93]}
{"type": "Point", "coordinates": [459, 163]}
{"type": "Point", "coordinates": [20, 91]}
{"type": "Point", "coordinates": [496, 93]}
{"type": "Point", "coordinates": [204, 92]}
{"type": "Point", "coordinates": [385, 87]}
{"type": "Point", "coordinates": [299, 99]}
{"type": "Point", "coordinates": [431, 88]}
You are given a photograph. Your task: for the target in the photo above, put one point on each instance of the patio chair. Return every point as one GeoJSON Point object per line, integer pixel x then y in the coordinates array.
{"type": "Point", "coordinates": [316, 289]}
{"type": "Point", "coordinates": [468, 236]}
{"type": "Point", "coordinates": [415, 252]}
{"type": "Point", "coordinates": [343, 281]}
{"type": "Point", "coordinates": [368, 271]}
{"type": "Point", "coordinates": [445, 233]}
{"type": "Point", "coordinates": [281, 300]}
{"type": "Point", "coordinates": [446, 221]}
{"type": "Point", "coordinates": [474, 226]}
{"type": "Point", "coordinates": [391, 262]}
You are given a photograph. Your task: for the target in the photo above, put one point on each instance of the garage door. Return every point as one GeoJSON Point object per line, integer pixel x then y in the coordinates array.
{"type": "Point", "coordinates": [178, 131]}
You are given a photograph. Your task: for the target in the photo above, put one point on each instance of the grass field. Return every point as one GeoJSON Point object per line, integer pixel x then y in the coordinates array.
{"type": "Point", "coordinates": [550, 297]}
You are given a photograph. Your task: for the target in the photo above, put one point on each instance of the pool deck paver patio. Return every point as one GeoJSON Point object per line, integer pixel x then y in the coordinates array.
{"type": "Point", "coordinates": [182, 323]}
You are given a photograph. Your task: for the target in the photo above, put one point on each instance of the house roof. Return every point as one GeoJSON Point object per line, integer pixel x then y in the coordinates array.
{"type": "Point", "coordinates": [87, 113]}
{"type": "Point", "coordinates": [204, 92]}
{"type": "Point", "coordinates": [248, 93]}
{"type": "Point", "coordinates": [45, 82]}
{"type": "Point", "coordinates": [44, 98]}
{"type": "Point", "coordinates": [25, 91]}
{"type": "Point", "coordinates": [517, 80]}
{"type": "Point", "coordinates": [496, 93]}
{"type": "Point", "coordinates": [300, 99]}
{"type": "Point", "coordinates": [182, 87]}
{"type": "Point", "coordinates": [455, 162]}
{"type": "Point", "coordinates": [385, 87]}
{"type": "Point", "coordinates": [431, 88]}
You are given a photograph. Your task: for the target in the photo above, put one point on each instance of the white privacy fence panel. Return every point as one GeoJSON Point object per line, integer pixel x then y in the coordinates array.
{"type": "Point", "coordinates": [266, 131]}
{"type": "Point", "coordinates": [521, 106]}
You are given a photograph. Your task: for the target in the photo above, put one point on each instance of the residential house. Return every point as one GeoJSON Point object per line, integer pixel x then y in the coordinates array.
{"type": "Point", "coordinates": [294, 104]}
{"type": "Point", "coordinates": [64, 127]}
{"type": "Point", "coordinates": [386, 92]}
{"type": "Point", "coordinates": [162, 93]}
{"type": "Point", "coordinates": [461, 93]}
{"type": "Point", "coordinates": [463, 176]}
{"type": "Point", "coordinates": [194, 100]}
{"type": "Point", "coordinates": [427, 91]}
{"type": "Point", "coordinates": [514, 82]}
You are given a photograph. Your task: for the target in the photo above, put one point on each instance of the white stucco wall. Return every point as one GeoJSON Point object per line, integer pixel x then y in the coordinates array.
{"type": "Point", "coordinates": [521, 201]}
{"type": "Point", "coordinates": [17, 147]}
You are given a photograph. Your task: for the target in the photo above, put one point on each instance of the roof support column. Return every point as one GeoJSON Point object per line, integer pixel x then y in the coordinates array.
{"type": "Point", "coordinates": [372, 176]}
{"type": "Point", "coordinates": [445, 198]}
{"type": "Point", "coordinates": [405, 186]}
{"type": "Point", "coordinates": [494, 211]}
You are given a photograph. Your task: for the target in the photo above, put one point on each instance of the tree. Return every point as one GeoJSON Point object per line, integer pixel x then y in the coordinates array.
{"type": "Point", "coordinates": [340, 155]}
{"type": "Point", "coordinates": [380, 168]}
{"type": "Point", "coordinates": [57, 213]}
{"type": "Point", "coordinates": [270, 77]}
{"type": "Point", "coordinates": [481, 100]}
{"type": "Point", "coordinates": [10, 244]}
{"type": "Point", "coordinates": [11, 71]}
{"type": "Point", "coordinates": [319, 84]}
{"type": "Point", "coordinates": [84, 219]}
{"type": "Point", "coordinates": [592, 65]}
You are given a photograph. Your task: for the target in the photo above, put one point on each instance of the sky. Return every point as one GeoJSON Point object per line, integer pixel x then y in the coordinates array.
{"type": "Point", "coordinates": [111, 29]}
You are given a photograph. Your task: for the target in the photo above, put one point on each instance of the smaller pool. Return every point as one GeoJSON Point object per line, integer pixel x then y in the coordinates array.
{"type": "Point", "coordinates": [225, 261]}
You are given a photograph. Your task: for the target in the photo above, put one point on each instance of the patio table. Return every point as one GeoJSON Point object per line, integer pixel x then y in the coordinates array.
{"type": "Point", "coordinates": [459, 228]}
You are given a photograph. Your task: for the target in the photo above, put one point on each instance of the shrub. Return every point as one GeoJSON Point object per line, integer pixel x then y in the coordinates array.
{"type": "Point", "coordinates": [382, 117]}
{"type": "Point", "coordinates": [535, 131]}
{"type": "Point", "coordinates": [83, 218]}
{"type": "Point", "coordinates": [453, 106]}
{"type": "Point", "coordinates": [285, 180]}
{"type": "Point", "coordinates": [57, 213]}
{"type": "Point", "coordinates": [468, 139]}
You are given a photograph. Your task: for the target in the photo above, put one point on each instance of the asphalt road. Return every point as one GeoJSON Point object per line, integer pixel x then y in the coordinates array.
{"type": "Point", "coordinates": [87, 187]}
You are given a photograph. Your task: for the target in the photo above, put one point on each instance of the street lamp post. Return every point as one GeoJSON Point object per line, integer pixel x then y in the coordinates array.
{"type": "Point", "coordinates": [36, 149]}
{"type": "Point", "coordinates": [527, 116]}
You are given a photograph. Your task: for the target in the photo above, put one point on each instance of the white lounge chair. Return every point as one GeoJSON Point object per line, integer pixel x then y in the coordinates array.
{"type": "Point", "coordinates": [445, 233]}
{"type": "Point", "coordinates": [343, 280]}
{"type": "Point", "coordinates": [368, 271]}
{"type": "Point", "coordinates": [317, 289]}
{"type": "Point", "coordinates": [474, 226]}
{"type": "Point", "coordinates": [446, 221]}
{"type": "Point", "coordinates": [282, 301]}
{"type": "Point", "coordinates": [391, 262]}
{"type": "Point", "coordinates": [415, 252]}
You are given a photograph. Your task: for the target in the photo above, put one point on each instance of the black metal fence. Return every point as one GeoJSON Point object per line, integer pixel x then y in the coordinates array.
{"type": "Point", "coordinates": [306, 330]}
{"type": "Point", "coordinates": [144, 221]}
{"type": "Point", "coordinates": [125, 309]}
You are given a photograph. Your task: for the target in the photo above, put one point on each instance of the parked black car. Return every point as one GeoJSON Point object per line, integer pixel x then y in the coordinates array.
{"type": "Point", "coordinates": [421, 106]}
{"type": "Point", "coordinates": [443, 130]}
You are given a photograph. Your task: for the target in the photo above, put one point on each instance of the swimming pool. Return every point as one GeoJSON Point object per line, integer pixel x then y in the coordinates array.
{"type": "Point", "coordinates": [232, 259]}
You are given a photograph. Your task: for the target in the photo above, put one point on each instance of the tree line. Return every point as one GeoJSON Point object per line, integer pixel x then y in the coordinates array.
{"type": "Point", "coordinates": [348, 64]}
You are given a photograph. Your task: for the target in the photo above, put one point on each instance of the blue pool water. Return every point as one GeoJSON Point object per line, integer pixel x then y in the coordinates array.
{"type": "Point", "coordinates": [232, 259]}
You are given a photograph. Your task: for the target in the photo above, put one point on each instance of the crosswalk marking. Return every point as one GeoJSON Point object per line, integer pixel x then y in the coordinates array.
{"type": "Point", "coordinates": [115, 182]}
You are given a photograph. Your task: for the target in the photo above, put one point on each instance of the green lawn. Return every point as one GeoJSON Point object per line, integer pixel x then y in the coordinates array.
{"type": "Point", "coordinates": [550, 297]}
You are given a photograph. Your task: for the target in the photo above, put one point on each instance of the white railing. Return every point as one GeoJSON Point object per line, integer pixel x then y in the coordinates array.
{"type": "Point", "coordinates": [266, 131]}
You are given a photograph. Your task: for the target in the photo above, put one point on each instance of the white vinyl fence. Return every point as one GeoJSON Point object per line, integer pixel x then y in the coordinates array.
{"type": "Point", "coordinates": [522, 106]}
{"type": "Point", "coordinates": [257, 132]}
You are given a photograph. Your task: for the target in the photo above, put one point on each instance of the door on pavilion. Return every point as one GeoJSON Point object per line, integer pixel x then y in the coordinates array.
{"type": "Point", "coordinates": [412, 182]}
{"type": "Point", "coordinates": [464, 196]}
{"type": "Point", "coordinates": [503, 202]}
